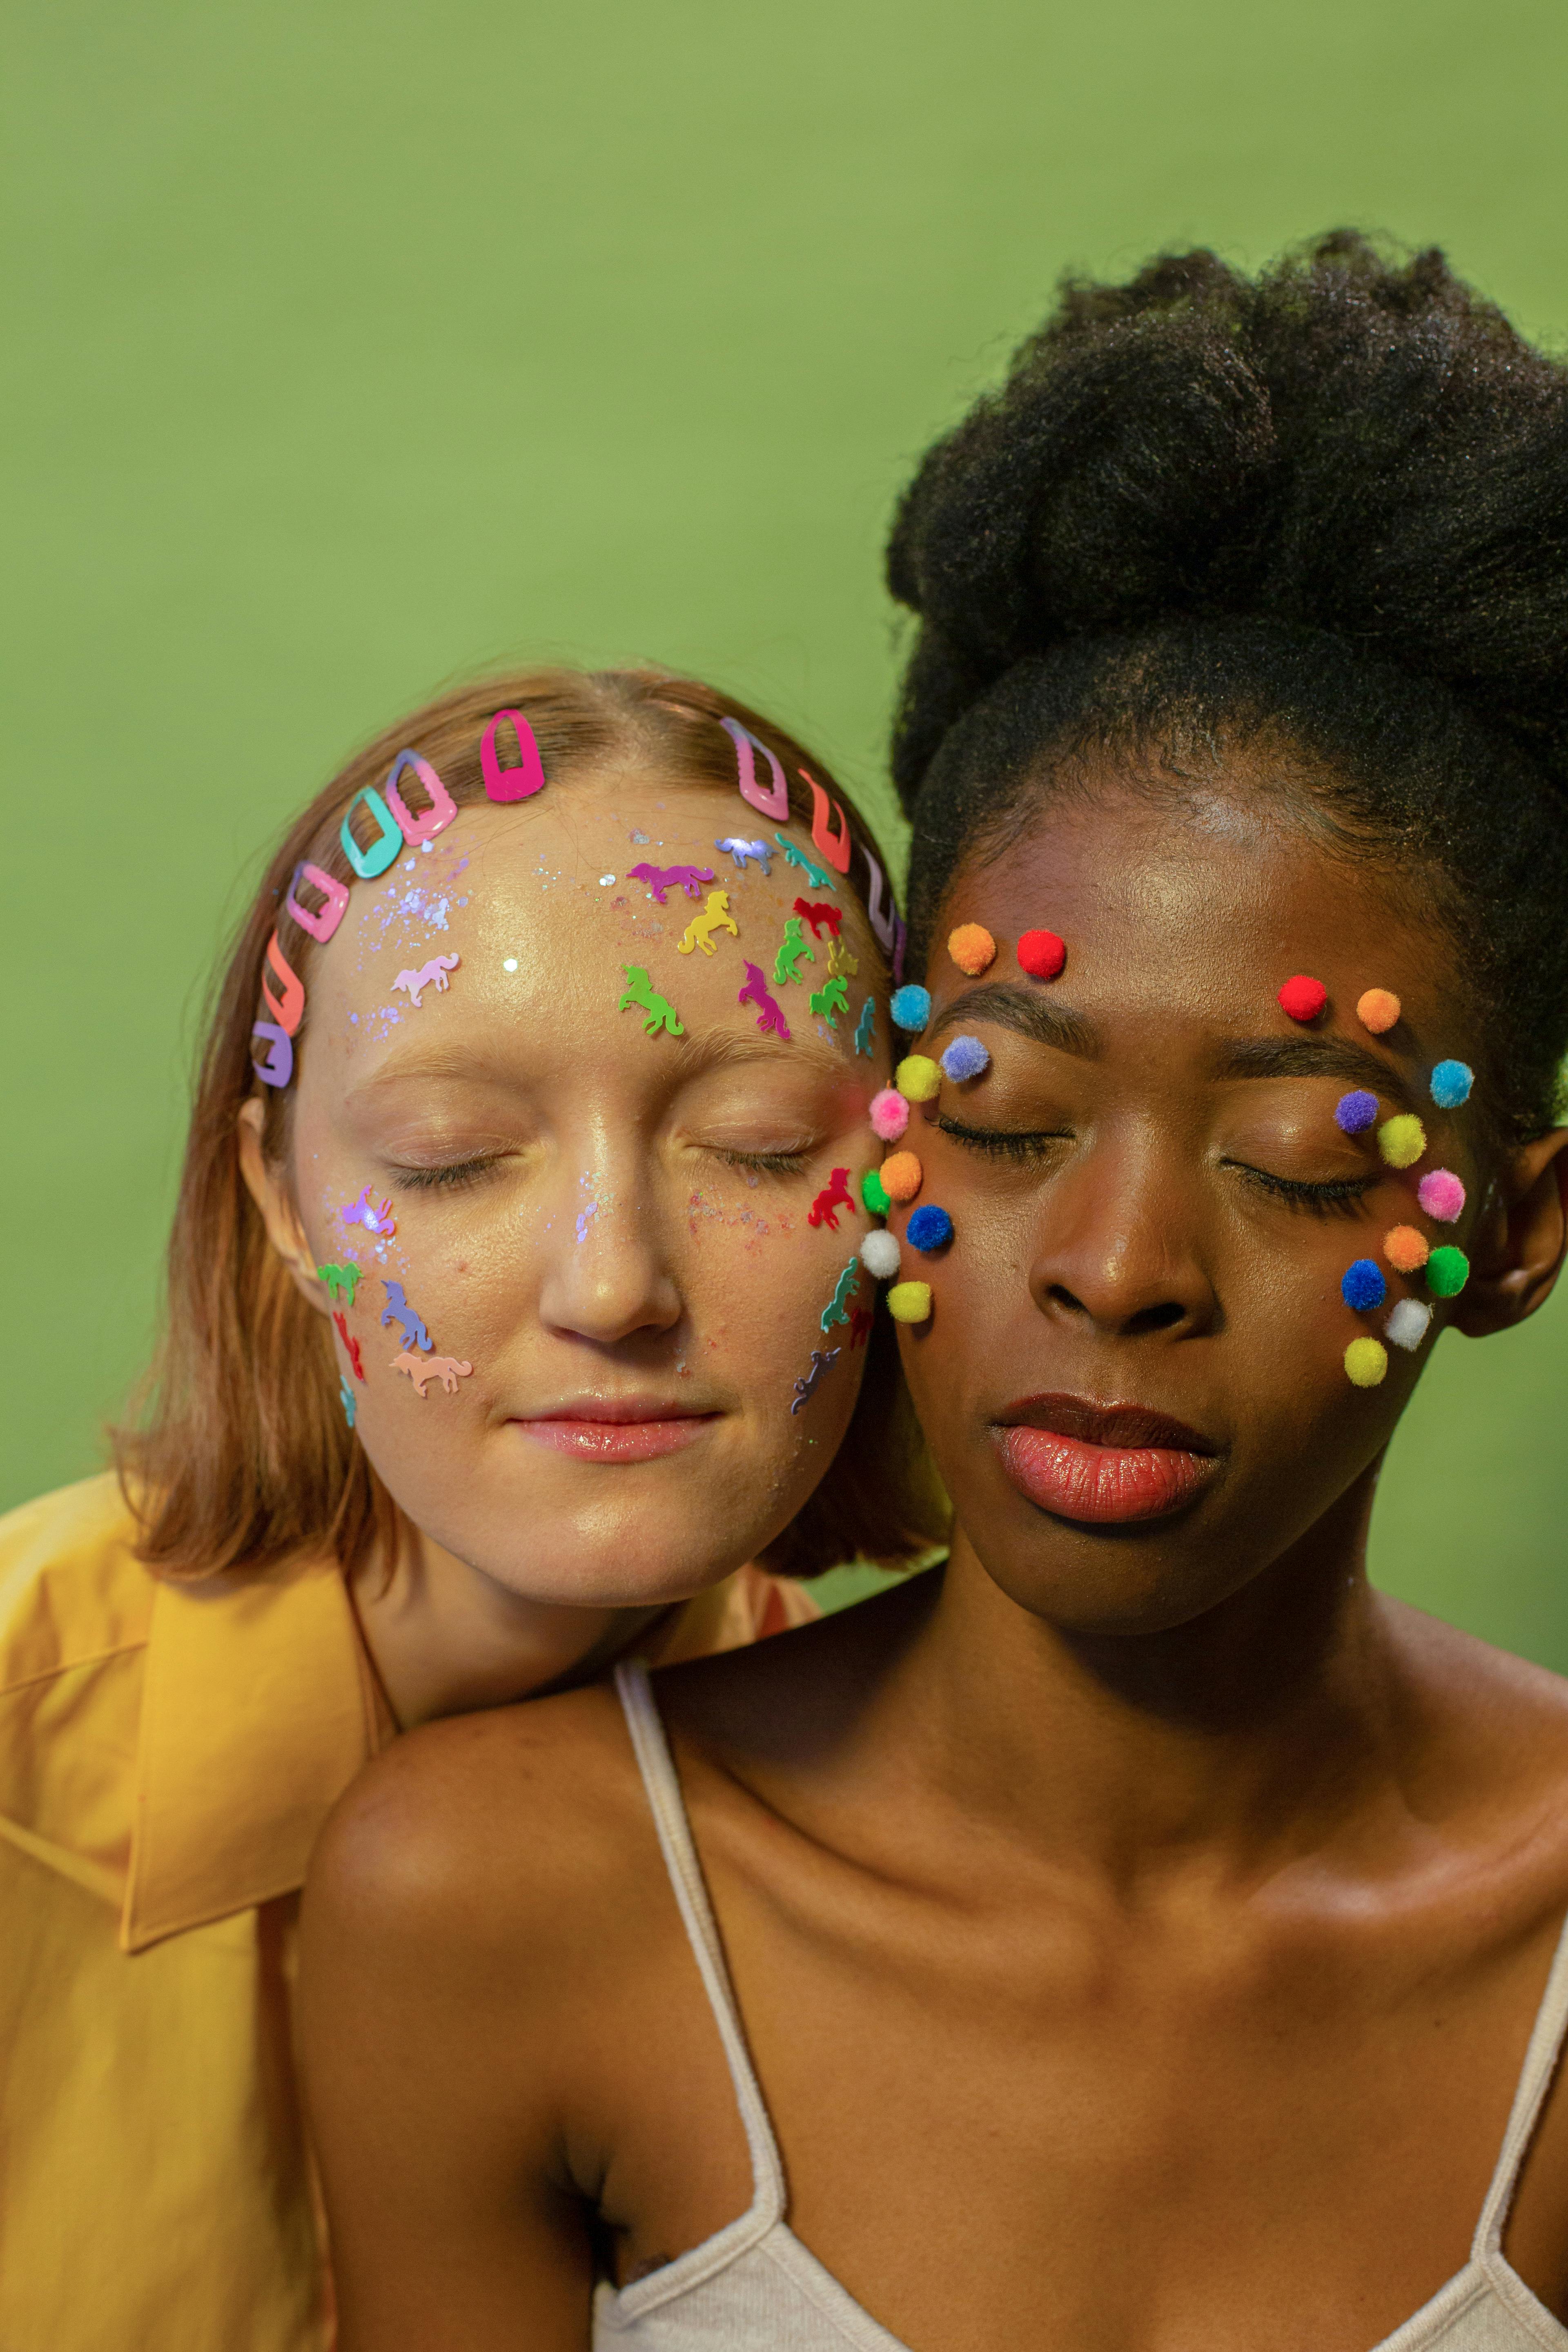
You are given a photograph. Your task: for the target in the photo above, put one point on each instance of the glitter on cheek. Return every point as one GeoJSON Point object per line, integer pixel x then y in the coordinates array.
{"type": "Point", "coordinates": [583, 1218]}
{"type": "Point", "coordinates": [510, 964]}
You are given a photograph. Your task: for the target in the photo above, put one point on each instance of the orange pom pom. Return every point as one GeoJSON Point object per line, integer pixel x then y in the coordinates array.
{"type": "Point", "coordinates": [1378, 1010]}
{"type": "Point", "coordinates": [972, 948]}
{"type": "Point", "coordinates": [902, 1176]}
{"type": "Point", "coordinates": [1406, 1249]}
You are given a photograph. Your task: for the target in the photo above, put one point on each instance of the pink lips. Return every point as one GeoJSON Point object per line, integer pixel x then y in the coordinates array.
{"type": "Point", "coordinates": [600, 1429]}
{"type": "Point", "coordinates": [1101, 1463]}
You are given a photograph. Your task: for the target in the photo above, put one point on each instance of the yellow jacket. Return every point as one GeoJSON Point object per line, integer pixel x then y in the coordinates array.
{"type": "Point", "coordinates": [168, 1753]}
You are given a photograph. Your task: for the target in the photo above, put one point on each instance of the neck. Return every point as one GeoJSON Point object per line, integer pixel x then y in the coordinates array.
{"type": "Point", "coordinates": [1257, 1725]}
{"type": "Point", "coordinates": [446, 1639]}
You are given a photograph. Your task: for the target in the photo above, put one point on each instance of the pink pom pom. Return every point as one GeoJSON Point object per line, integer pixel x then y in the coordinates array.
{"type": "Point", "coordinates": [1442, 1195]}
{"type": "Point", "coordinates": [889, 1114]}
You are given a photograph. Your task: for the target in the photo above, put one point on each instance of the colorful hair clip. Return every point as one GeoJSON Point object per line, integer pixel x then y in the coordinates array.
{"type": "Point", "coordinates": [889, 1114]}
{"type": "Point", "coordinates": [882, 919]}
{"type": "Point", "coordinates": [1377, 1009]}
{"type": "Point", "coordinates": [835, 1195]}
{"type": "Point", "coordinates": [879, 1255]}
{"type": "Point", "coordinates": [966, 1058]}
{"type": "Point", "coordinates": [287, 1011]}
{"type": "Point", "coordinates": [909, 1302]}
{"type": "Point", "coordinates": [1402, 1140]}
{"type": "Point", "coordinates": [911, 1010]}
{"type": "Point", "coordinates": [1354, 1113]}
{"type": "Point", "coordinates": [919, 1078]}
{"type": "Point", "coordinates": [759, 852]}
{"type": "Point", "coordinates": [1451, 1084]}
{"type": "Point", "coordinates": [837, 1307]}
{"type": "Point", "coordinates": [902, 1176]}
{"type": "Point", "coordinates": [1366, 1362]}
{"type": "Point", "coordinates": [928, 1229]}
{"type": "Point", "coordinates": [1362, 1287]}
{"type": "Point", "coordinates": [1406, 1249]}
{"type": "Point", "coordinates": [874, 1194]}
{"type": "Point", "coordinates": [324, 921]}
{"type": "Point", "coordinates": [519, 783]}
{"type": "Point", "coordinates": [1302, 997]}
{"type": "Point", "coordinates": [972, 948]}
{"type": "Point", "coordinates": [822, 1363]}
{"type": "Point", "coordinates": [641, 991]}
{"type": "Point", "coordinates": [368, 863]}
{"type": "Point", "coordinates": [278, 1066]}
{"type": "Point", "coordinates": [1041, 954]}
{"type": "Point", "coordinates": [423, 1369]}
{"type": "Point", "coordinates": [834, 846]}
{"type": "Point", "coordinates": [397, 1310]}
{"type": "Point", "coordinates": [715, 916]}
{"type": "Point", "coordinates": [1448, 1271]}
{"type": "Point", "coordinates": [429, 975]}
{"type": "Point", "coordinates": [1442, 1195]}
{"type": "Point", "coordinates": [865, 1029]}
{"type": "Point", "coordinates": [774, 802]}
{"type": "Point", "coordinates": [417, 830]}
{"type": "Point", "coordinates": [1407, 1325]}
{"type": "Point", "coordinates": [770, 1015]}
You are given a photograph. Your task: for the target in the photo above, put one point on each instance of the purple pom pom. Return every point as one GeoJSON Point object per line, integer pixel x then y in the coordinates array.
{"type": "Point", "coordinates": [1354, 1113]}
{"type": "Point", "coordinates": [966, 1058]}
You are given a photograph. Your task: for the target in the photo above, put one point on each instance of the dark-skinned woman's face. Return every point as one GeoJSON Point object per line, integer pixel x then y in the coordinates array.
{"type": "Point", "coordinates": [1153, 1207]}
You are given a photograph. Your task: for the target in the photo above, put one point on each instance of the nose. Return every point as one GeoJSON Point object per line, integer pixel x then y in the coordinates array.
{"type": "Point", "coordinates": [1117, 1248]}
{"type": "Point", "coordinates": [607, 1275]}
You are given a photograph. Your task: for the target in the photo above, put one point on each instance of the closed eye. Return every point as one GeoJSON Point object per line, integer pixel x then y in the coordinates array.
{"type": "Point", "coordinates": [769, 1163]}
{"type": "Point", "coordinates": [1338, 1198]}
{"type": "Point", "coordinates": [1004, 1142]}
{"type": "Point", "coordinates": [450, 1176]}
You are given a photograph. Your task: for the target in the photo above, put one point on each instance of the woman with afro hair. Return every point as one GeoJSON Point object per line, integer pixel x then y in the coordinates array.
{"type": "Point", "coordinates": [1138, 1934]}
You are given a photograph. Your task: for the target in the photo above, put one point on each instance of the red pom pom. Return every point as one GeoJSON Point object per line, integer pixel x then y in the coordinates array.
{"type": "Point", "coordinates": [1042, 954]}
{"type": "Point", "coordinates": [1303, 999]}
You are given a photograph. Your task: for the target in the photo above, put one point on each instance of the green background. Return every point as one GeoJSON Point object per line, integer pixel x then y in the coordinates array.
{"type": "Point", "coordinates": [349, 348]}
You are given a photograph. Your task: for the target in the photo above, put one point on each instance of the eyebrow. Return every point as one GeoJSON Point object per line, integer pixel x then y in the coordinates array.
{"type": "Point", "coordinates": [1056, 1025]}
{"type": "Point", "coordinates": [720, 1049]}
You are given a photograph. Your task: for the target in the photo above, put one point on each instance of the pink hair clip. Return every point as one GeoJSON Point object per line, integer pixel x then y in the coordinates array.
{"type": "Point", "coordinates": [325, 920]}
{"type": "Point", "coordinates": [443, 808]}
{"type": "Point", "coordinates": [774, 803]}
{"type": "Point", "coordinates": [519, 783]}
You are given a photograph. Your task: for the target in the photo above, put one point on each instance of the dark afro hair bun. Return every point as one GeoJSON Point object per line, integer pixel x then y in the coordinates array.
{"type": "Point", "coordinates": [1342, 444]}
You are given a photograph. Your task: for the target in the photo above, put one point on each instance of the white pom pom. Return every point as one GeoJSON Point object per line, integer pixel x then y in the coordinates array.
{"type": "Point", "coordinates": [1406, 1327]}
{"type": "Point", "coordinates": [879, 1255]}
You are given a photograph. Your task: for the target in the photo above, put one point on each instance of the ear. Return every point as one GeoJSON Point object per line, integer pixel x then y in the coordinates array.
{"type": "Point", "coordinates": [1516, 1251]}
{"type": "Point", "coordinates": [279, 1213]}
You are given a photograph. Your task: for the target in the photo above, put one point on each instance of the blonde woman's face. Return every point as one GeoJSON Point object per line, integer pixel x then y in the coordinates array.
{"type": "Point", "coordinates": [574, 1359]}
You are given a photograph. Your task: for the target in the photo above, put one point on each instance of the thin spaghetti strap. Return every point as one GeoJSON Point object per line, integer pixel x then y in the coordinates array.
{"type": "Point", "coordinates": [663, 1785]}
{"type": "Point", "coordinates": [1535, 2078]}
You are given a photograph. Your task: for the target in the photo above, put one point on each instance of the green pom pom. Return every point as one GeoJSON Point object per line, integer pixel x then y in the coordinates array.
{"type": "Point", "coordinates": [1448, 1271]}
{"type": "Point", "coordinates": [874, 1194]}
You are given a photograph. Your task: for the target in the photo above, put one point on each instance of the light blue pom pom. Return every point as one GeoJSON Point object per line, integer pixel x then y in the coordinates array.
{"type": "Point", "coordinates": [911, 1009]}
{"type": "Point", "coordinates": [1451, 1084]}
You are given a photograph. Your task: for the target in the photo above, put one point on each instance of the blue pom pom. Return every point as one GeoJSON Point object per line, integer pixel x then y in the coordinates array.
{"type": "Point", "coordinates": [1354, 1113]}
{"type": "Point", "coordinates": [1451, 1084]}
{"type": "Point", "coordinates": [966, 1058]}
{"type": "Point", "coordinates": [931, 1228]}
{"type": "Point", "coordinates": [1364, 1286]}
{"type": "Point", "coordinates": [911, 1009]}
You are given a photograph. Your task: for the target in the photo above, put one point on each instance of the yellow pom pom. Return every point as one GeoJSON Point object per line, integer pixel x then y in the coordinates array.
{"type": "Point", "coordinates": [972, 948]}
{"type": "Point", "coordinates": [918, 1078]}
{"type": "Point", "coordinates": [1366, 1361]}
{"type": "Point", "coordinates": [1402, 1140]}
{"type": "Point", "coordinates": [909, 1302]}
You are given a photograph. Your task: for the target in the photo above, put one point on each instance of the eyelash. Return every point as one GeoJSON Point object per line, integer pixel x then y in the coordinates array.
{"type": "Point", "coordinates": [452, 1177]}
{"type": "Point", "coordinates": [1341, 1198]}
{"type": "Point", "coordinates": [1001, 1144]}
{"type": "Point", "coordinates": [768, 1163]}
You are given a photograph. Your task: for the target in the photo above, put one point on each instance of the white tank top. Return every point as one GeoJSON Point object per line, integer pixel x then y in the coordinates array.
{"type": "Point", "coordinates": [755, 2288]}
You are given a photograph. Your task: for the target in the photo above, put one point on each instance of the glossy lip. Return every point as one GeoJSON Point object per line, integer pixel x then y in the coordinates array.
{"type": "Point", "coordinates": [1102, 1465]}
{"type": "Point", "coordinates": [617, 1429]}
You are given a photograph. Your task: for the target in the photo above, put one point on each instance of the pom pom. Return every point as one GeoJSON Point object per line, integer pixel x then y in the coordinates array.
{"type": "Point", "coordinates": [1451, 1084]}
{"type": "Point", "coordinates": [966, 1057]}
{"type": "Point", "coordinates": [1354, 1113]}
{"type": "Point", "coordinates": [1363, 1286]}
{"type": "Point", "coordinates": [919, 1078]}
{"type": "Point", "coordinates": [1406, 1249]}
{"type": "Point", "coordinates": [1406, 1327]}
{"type": "Point", "coordinates": [911, 1009]}
{"type": "Point", "coordinates": [902, 1176]}
{"type": "Point", "coordinates": [972, 948]}
{"type": "Point", "coordinates": [1366, 1362]}
{"type": "Point", "coordinates": [879, 1255]}
{"type": "Point", "coordinates": [1442, 1195]}
{"type": "Point", "coordinates": [889, 1114]}
{"type": "Point", "coordinates": [928, 1229]}
{"type": "Point", "coordinates": [1302, 998]}
{"type": "Point", "coordinates": [1042, 954]}
{"type": "Point", "coordinates": [909, 1302]}
{"type": "Point", "coordinates": [1378, 1010]}
{"type": "Point", "coordinates": [873, 1194]}
{"type": "Point", "coordinates": [1402, 1140]}
{"type": "Point", "coordinates": [1448, 1271]}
